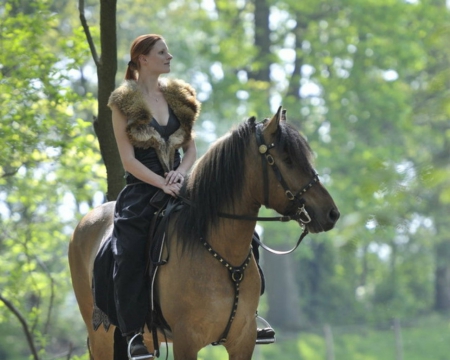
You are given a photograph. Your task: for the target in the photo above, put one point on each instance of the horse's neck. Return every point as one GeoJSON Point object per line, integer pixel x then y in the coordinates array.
{"type": "Point", "coordinates": [232, 242]}
{"type": "Point", "coordinates": [232, 238]}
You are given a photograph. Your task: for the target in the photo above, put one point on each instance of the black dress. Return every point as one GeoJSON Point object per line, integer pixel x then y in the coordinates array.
{"type": "Point", "coordinates": [125, 300]}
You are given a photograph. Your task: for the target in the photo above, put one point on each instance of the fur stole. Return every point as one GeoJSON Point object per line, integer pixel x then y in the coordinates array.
{"type": "Point", "coordinates": [181, 98]}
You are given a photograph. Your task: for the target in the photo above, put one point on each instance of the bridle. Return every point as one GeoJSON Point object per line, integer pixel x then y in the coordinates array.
{"type": "Point", "coordinates": [300, 215]}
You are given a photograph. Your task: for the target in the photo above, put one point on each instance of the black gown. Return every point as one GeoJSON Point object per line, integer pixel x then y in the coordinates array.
{"type": "Point", "coordinates": [121, 287]}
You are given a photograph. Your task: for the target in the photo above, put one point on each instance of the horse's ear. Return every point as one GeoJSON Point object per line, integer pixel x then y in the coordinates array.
{"type": "Point", "coordinates": [272, 125]}
{"type": "Point", "coordinates": [283, 115]}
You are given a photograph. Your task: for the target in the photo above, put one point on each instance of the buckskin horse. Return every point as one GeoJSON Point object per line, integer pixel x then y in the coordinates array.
{"type": "Point", "coordinates": [226, 189]}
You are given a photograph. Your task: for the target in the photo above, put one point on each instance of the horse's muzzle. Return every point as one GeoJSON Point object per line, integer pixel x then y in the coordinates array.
{"type": "Point", "coordinates": [322, 222]}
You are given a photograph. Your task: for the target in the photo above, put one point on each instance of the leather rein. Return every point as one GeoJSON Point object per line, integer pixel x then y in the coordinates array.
{"type": "Point", "coordinates": [300, 215]}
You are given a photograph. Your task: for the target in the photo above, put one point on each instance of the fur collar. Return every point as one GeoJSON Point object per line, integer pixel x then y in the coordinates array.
{"type": "Point", "coordinates": [181, 98]}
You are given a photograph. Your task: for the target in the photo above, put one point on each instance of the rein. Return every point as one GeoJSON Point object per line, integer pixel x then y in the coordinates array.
{"type": "Point", "coordinates": [301, 215]}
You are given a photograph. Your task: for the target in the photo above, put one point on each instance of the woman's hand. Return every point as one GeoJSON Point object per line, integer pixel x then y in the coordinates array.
{"type": "Point", "coordinates": [172, 189]}
{"type": "Point", "coordinates": [174, 177]}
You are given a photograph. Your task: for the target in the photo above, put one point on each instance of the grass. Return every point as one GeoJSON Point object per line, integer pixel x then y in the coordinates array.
{"type": "Point", "coordinates": [425, 339]}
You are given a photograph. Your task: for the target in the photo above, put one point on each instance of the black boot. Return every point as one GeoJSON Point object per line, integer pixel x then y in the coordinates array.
{"type": "Point", "coordinates": [265, 335]}
{"type": "Point", "coordinates": [120, 345]}
{"type": "Point", "coordinates": [136, 348]}
{"type": "Point", "coordinates": [255, 249]}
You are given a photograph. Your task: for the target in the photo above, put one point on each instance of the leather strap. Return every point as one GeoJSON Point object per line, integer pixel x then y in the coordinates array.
{"type": "Point", "coordinates": [236, 275]}
{"type": "Point", "coordinates": [277, 252]}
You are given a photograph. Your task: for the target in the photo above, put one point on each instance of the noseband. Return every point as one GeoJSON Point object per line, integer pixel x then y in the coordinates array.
{"type": "Point", "coordinates": [300, 215]}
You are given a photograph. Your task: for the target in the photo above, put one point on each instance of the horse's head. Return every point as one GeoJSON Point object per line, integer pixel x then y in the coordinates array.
{"type": "Point", "coordinates": [290, 184]}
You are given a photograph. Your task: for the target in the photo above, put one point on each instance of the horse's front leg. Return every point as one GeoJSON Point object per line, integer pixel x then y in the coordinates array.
{"type": "Point", "coordinates": [185, 342]}
{"type": "Point", "coordinates": [244, 353]}
{"type": "Point", "coordinates": [242, 347]}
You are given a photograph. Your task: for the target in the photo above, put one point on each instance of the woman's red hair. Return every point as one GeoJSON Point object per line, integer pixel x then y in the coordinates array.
{"type": "Point", "coordinates": [142, 45]}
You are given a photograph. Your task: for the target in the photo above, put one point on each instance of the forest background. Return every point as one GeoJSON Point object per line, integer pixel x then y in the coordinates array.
{"type": "Point", "coordinates": [366, 81]}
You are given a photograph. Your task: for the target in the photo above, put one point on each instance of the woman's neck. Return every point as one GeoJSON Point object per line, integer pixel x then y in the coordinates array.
{"type": "Point", "coordinates": [149, 84]}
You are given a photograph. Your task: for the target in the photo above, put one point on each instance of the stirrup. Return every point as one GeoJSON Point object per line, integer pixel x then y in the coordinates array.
{"type": "Point", "coordinates": [137, 357]}
{"type": "Point", "coordinates": [267, 332]}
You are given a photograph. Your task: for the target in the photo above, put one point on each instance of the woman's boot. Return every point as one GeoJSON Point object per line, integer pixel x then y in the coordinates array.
{"type": "Point", "coordinates": [136, 348]}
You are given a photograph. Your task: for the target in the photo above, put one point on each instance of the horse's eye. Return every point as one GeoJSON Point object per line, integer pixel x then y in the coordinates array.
{"type": "Point", "coordinates": [287, 161]}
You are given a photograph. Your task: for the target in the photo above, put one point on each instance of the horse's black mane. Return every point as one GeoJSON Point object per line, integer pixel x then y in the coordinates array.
{"type": "Point", "coordinates": [219, 176]}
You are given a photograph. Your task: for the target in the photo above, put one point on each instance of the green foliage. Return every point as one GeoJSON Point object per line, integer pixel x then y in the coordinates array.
{"type": "Point", "coordinates": [47, 155]}
{"type": "Point", "coordinates": [369, 60]}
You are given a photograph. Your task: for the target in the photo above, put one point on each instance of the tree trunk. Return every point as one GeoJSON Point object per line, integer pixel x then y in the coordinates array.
{"type": "Point", "coordinates": [282, 292]}
{"type": "Point", "coordinates": [442, 245]}
{"type": "Point", "coordinates": [442, 278]}
{"type": "Point", "coordinates": [262, 41]}
{"type": "Point", "coordinates": [292, 96]}
{"type": "Point", "coordinates": [294, 82]}
{"type": "Point", "coordinates": [106, 73]}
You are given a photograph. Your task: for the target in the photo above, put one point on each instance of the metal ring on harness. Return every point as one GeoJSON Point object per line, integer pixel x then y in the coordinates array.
{"type": "Point", "coordinates": [270, 159]}
{"type": "Point", "coordinates": [289, 195]}
{"type": "Point", "coordinates": [237, 275]}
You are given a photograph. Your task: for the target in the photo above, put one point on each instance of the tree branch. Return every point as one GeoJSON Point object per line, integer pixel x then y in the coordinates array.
{"type": "Point", "coordinates": [9, 173]}
{"type": "Point", "coordinates": [52, 294]}
{"type": "Point", "coordinates": [88, 32]}
{"type": "Point", "coordinates": [22, 320]}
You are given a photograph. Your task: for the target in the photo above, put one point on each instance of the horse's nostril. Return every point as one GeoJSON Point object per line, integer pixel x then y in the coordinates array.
{"type": "Point", "coordinates": [334, 215]}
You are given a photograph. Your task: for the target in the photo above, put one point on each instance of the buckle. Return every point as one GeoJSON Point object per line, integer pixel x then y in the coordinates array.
{"type": "Point", "coordinates": [302, 212]}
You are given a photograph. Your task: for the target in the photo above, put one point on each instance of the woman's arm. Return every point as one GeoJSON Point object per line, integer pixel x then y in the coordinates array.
{"type": "Point", "coordinates": [129, 161]}
{"type": "Point", "coordinates": [189, 157]}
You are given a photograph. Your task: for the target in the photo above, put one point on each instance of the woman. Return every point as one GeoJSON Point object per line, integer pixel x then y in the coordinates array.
{"type": "Point", "coordinates": [152, 119]}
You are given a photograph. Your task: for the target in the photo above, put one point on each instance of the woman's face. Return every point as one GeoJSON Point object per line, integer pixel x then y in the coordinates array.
{"type": "Point", "coordinates": [158, 59]}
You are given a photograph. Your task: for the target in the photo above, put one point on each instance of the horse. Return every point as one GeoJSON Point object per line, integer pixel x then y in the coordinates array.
{"type": "Point", "coordinates": [226, 188]}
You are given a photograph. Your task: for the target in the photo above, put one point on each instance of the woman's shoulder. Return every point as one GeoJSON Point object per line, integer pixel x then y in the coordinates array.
{"type": "Point", "coordinates": [179, 93]}
{"type": "Point", "coordinates": [122, 93]}
{"type": "Point", "coordinates": [170, 85]}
